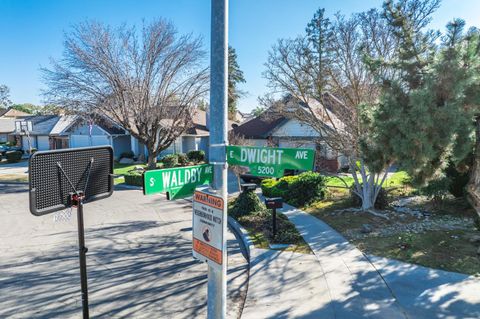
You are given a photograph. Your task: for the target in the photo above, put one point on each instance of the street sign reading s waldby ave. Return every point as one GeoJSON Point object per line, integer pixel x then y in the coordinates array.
{"type": "Point", "coordinates": [177, 182]}
{"type": "Point", "coordinates": [270, 161]}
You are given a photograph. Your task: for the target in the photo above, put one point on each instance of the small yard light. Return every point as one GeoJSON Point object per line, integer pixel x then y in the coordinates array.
{"type": "Point", "coordinates": [273, 203]}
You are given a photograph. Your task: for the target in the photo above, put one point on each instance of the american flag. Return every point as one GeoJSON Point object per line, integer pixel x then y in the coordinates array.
{"type": "Point", "coordinates": [90, 128]}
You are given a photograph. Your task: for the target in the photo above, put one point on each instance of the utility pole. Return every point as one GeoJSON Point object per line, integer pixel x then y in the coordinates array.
{"type": "Point", "coordinates": [217, 279]}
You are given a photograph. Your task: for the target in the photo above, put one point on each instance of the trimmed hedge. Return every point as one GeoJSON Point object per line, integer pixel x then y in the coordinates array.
{"type": "Point", "coordinates": [298, 190]}
{"type": "Point", "coordinates": [13, 156]}
{"type": "Point", "coordinates": [196, 156]}
{"type": "Point", "coordinates": [128, 154]}
{"type": "Point", "coordinates": [134, 178]}
{"type": "Point", "coordinates": [182, 159]}
{"type": "Point", "coordinates": [246, 203]}
{"type": "Point", "coordinates": [170, 160]}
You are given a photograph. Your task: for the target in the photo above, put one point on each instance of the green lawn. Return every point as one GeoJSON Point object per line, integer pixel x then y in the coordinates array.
{"type": "Point", "coordinates": [332, 181]}
{"type": "Point", "coordinates": [397, 179]}
{"type": "Point", "coordinates": [122, 169]}
{"type": "Point", "coordinates": [447, 250]}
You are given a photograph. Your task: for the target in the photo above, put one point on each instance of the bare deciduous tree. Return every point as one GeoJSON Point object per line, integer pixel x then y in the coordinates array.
{"type": "Point", "coordinates": [326, 72]}
{"type": "Point", "coordinates": [4, 96]}
{"type": "Point", "coordinates": [148, 80]}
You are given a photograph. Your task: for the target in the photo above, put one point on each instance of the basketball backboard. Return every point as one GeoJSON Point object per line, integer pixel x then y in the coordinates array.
{"type": "Point", "coordinates": [55, 175]}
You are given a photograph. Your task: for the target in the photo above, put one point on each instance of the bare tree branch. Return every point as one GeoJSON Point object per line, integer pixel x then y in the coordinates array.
{"type": "Point", "coordinates": [149, 81]}
{"type": "Point", "coordinates": [328, 88]}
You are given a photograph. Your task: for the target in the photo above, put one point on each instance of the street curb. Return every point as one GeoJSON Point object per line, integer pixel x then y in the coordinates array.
{"type": "Point", "coordinates": [125, 186]}
{"type": "Point", "coordinates": [242, 233]}
{"type": "Point", "coordinates": [13, 183]}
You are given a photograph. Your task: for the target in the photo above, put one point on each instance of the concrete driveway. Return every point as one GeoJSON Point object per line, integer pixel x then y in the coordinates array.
{"type": "Point", "coordinates": [14, 168]}
{"type": "Point", "coordinates": [139, 260]}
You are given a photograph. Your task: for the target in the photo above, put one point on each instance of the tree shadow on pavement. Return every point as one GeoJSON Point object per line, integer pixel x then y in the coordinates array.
{"type": "Point", "coordinates": [438, 297]}
{"type": "Point", "coordinates": [144, 277]}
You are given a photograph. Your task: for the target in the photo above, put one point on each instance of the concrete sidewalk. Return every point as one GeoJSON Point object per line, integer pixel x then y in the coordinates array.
{"type": "Point", "coordinates": [373, 287]}
{"type": "Point", "coordinates": [282, 284]}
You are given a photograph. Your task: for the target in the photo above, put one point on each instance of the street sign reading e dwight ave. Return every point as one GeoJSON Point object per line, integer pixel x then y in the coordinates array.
{"type": "Point", "coordinates": [269, 161]}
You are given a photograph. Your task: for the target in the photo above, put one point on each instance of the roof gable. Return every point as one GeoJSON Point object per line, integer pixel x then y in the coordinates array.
{"type": "Point", "coordinates": [260, 126]}
{"type": "Point", "coordinates": [107, 125]}
{"type": "Point", "coordinates": [294, 128]}
{"type": "Point", "coordinates": [12, 113]}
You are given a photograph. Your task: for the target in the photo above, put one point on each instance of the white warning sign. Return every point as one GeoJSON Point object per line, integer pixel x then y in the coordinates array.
{"type": "Point", "coordinates": [207, 228]}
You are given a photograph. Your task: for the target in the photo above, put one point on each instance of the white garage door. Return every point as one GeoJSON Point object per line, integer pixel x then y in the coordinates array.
{"type": "Point", "coordinates": [26, 143]}
{"type": "Point", "coordinates": [43, 143]}
{"type": "Point", "coordinates": [84, 141]}
{"type": "Point", "coordinates": [79, 141]}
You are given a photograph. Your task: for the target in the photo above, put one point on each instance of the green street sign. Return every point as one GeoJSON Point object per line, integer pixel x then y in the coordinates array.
{"type": "Point", "coordinates": [177, 182]}
{"type": "Point", "coordinates": [270, 161]}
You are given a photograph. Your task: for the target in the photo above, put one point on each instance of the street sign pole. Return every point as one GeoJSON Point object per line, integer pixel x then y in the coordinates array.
{"type": "Point", "coordinates": [217, 279]}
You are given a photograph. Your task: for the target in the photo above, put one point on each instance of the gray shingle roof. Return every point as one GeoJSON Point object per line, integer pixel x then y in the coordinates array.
{"type": "Point", "coordinates": [261, 126]}
{"type": "Point", "coordinates": [50, 124]}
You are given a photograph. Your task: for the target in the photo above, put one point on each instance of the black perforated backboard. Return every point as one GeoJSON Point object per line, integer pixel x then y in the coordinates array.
{"type": "Point", "coordinates": [50, 189]}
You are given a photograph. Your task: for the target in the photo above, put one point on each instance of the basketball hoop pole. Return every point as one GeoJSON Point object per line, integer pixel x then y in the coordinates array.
{"type": "Point", "coordinates": [76, 200]}
{"type": "Point", "coordinates": [82, 255]}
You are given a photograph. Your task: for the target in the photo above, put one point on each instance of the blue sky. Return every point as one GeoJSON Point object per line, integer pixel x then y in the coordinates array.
{"type": "Point", "coordinates": [31, 31]}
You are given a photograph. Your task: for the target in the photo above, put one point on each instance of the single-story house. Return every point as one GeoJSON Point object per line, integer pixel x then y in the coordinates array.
{"type": "Point", "coordinates": [50, 132]}
{"type": "Point", "coordinates": [7, 127]}
{"type": "Point", "coordinates": [275, 130]}
{"type": "Point", "coordinates": [7, 123]}
{"type": "Point", "coordinates": [101, 132]}
{"type": "Point", "coordinates": [38, 136]}
{"type": "Point", "coordinates": [195, 138]}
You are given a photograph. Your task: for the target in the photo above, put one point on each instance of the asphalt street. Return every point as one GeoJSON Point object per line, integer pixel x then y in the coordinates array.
{"type": "Point", "coordinates": [139, 260]}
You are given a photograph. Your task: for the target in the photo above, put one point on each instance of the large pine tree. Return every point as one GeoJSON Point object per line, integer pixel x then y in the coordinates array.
{"type": "Point", "coordinates": [425, 117]}
{"type": "Point", "coordinates": [235, 77]}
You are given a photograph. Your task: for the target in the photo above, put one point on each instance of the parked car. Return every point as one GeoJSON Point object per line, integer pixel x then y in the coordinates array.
{"type": "Point", "coordinates": [4, 149]}
{"type": "Point", "coordinates": [249, 178]}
